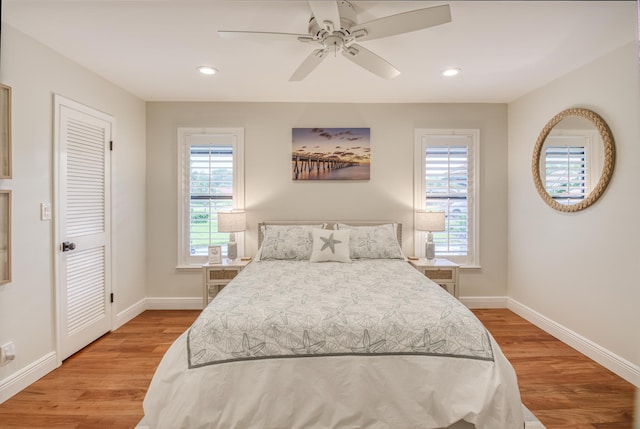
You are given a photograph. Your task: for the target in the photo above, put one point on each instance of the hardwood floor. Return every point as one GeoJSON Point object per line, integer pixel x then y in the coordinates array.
{"type": "Point", "coordinates": [562, 387]}
{"type": "Point", "coordinates": [103, 385]}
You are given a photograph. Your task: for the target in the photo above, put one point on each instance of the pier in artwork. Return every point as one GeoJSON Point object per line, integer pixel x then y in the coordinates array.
{"type": "Point", "coordinates": [312, 163]}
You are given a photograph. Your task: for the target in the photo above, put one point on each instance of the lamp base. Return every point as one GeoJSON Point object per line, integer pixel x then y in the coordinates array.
{"type": "Point", "coordinates": [430, 248]}
{"type": "Point", "coordinates": [232, 250]}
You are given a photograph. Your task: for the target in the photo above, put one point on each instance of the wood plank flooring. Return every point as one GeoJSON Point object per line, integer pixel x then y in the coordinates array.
{"type": "Point", "coordinates": [562, 387]}
{"type": "Point", "coordinates": [103, 385]}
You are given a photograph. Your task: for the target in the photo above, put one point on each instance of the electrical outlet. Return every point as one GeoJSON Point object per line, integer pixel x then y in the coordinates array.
{"type": "Point", "coordinates": [7, 353]}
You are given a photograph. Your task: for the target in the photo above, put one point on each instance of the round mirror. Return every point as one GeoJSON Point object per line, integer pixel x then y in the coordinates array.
{"type": "Point", "coordinates": [573, 160]}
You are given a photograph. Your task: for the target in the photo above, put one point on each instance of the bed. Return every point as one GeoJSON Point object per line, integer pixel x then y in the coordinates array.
{"type": "Point", "coordinates": [330, 327]}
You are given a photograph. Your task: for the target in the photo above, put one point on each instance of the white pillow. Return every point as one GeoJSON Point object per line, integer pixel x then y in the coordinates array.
{"type": "Point", "coordinates": [286, 242]}
{"type": "Point", "coordinates": [330, 246]}
{"type": "Point", "coordinates": [373, 242]}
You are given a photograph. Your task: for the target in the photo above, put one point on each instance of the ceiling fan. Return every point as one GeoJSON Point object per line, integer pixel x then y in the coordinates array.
{"type": "Point", "coordinates": [333, 26]}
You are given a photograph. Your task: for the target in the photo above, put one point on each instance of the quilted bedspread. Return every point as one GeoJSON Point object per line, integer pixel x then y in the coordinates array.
{"type": "Point", "coordinates": [295, 309]}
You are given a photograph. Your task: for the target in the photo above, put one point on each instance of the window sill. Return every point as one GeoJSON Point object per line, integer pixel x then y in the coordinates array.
{"type": "Point", "coordinates": [470, 267]}
{"type": "Point", "coordinates": [187, 268]}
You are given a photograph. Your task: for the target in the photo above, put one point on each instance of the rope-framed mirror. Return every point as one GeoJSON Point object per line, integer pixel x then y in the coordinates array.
{"type": "Point", "coordinates": [573, 160]}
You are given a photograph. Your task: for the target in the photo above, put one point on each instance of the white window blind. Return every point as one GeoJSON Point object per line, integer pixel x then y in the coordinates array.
{"type": "Point", "coordinates": [447, 180]}
{"type": "Point", "coordinates": [447, 186]}
{"type": "Point", "coordinates": [210, 191]}
{"type": "Point", "coordinates": [211, 180]}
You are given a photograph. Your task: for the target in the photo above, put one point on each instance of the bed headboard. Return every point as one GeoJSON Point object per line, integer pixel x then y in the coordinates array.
{"type": "Point", "coordinates": [329, 225]}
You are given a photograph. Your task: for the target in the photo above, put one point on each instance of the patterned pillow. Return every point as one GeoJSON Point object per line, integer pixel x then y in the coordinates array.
{"type": "Point", "coordinates": [330, 246]}
{"type": "Point", "coordinates": [287, 242]}
{"type": "Point", "coordinates": [373, 242]}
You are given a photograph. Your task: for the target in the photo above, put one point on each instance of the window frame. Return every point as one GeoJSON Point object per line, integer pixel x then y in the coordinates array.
{"type": "Point", "coordinates": [422, 137]}
{"type": "Point", "coordinates": [185, 141]}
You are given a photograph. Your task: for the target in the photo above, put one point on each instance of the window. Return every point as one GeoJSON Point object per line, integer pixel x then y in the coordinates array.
{"type": "Point", "coordinates": [447, 180]}
{"type": "Point", "coordinates": [210, 180]}
{"type": "Point", "coordinates": [566, 166]}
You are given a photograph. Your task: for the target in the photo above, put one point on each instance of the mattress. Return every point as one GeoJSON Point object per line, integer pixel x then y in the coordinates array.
{"type": "Point", "coordinates": [367, 344]}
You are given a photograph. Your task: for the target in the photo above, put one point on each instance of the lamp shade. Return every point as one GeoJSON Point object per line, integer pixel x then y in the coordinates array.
{"type": "Point", "coordinates": [430, 221]}
{"type": "Point", "coordinates": [234, 221]}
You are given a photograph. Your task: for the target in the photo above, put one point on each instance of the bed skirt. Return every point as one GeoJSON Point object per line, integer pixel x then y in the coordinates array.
{"type": "Point", "coordinates": [530, 422]}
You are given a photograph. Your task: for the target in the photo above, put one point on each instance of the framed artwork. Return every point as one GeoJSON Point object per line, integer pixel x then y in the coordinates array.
{"type": "Point", "coordinates": [5, 236]}
{"type": "Point", "coordinates": [5, 132]}
{"type": "Point", "coordinates": [215, 254]}
{"type": "Point", "coordinates": [330, 153]}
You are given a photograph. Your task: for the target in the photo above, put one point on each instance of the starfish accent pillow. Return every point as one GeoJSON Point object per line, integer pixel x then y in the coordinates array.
{"type": "Point", "coordinates": [330, 246]}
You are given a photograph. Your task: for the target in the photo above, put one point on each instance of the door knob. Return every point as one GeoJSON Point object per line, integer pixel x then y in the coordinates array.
{"type": "Point", "coordinates": [67, 245]}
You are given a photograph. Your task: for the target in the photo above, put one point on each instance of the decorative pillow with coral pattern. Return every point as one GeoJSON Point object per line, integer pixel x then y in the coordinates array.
{"type": "Point", "coordinates": [373, 242]}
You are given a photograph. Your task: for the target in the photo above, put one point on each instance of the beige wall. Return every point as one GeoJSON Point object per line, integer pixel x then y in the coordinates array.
{"type": "Point", "coordinates": [27, 306]}
{"type": "Point", "coordinates": [580, 270]}
{"type": "Point", "coordinates": [272, 195]}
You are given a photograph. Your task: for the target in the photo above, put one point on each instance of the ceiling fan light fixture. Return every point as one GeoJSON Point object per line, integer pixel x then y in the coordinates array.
{"type": "Point", "coordinates": [450, 72]}
{"type": "Point", "coordinates": [207, 70]}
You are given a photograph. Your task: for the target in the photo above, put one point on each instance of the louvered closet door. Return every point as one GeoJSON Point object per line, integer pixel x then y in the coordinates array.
{"type": "Point", "coordinates": [83, 224]}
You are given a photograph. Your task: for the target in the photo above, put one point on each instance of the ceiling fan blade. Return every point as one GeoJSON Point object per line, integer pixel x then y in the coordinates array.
{"type": "Point", "coordinates": [370, 61]}
{"type": "Point", "coordinates": [326, 13]}
{"type": "Point", "coordinates": [402, 23]}
{"type": "Point", "coordinates": [267, 35]}
{"type": "Point", "coordinates": [309, 64]}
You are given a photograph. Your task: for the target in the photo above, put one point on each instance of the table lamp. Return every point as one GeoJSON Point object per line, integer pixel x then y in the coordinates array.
{"type": "Point", "coordinates": [232, 222]}
{"type": "Point", "coordinates": [430, 222]}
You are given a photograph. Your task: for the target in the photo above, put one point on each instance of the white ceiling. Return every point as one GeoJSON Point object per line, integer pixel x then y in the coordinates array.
{"type": "Point", "coordinates": [152, 47]}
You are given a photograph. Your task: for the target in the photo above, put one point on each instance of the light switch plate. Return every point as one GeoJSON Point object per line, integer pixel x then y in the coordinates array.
{"type": "Point", "coordinates": [45, 211]}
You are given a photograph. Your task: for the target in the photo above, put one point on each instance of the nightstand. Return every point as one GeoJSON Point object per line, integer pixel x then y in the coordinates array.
{"type": "Point", "coordinates": [441, 271]}
{"type": "Point", "coordinates": [217, 276]}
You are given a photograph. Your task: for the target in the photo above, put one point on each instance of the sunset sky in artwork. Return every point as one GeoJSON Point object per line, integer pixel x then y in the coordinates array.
{"type": "Point", "coordinates": [347, 144]}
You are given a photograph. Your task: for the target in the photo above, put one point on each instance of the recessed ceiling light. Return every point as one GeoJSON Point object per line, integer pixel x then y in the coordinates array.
{"type": "Point", "coordinates": [450, 72]}
{"type": "Point", "coordinates": [208, 70]}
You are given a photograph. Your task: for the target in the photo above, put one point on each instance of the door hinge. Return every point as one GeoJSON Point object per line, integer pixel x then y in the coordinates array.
{"type": "Point", "coordinates": [111, 297]}
{"type": "Point", "coordinates": [111, 145]}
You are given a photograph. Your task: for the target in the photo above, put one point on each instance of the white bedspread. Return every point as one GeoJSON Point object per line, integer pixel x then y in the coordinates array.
{"type": "Point", "coordinates": [270, 352]}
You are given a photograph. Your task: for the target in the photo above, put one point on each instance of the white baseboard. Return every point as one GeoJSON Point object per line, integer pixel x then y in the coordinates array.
{"type": "Point", "coordinates": [162, 303]}
{"type": "Point", "coordinates": [604, 357]}
{"type": "Point", "coordinates": [129, 313]}
{"type": "Point", "coordinates": [484, 301]}
{"type": "Point", "coordinates": [174, 303]}
{"type": "Point", "coordinates": [27, 375]}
